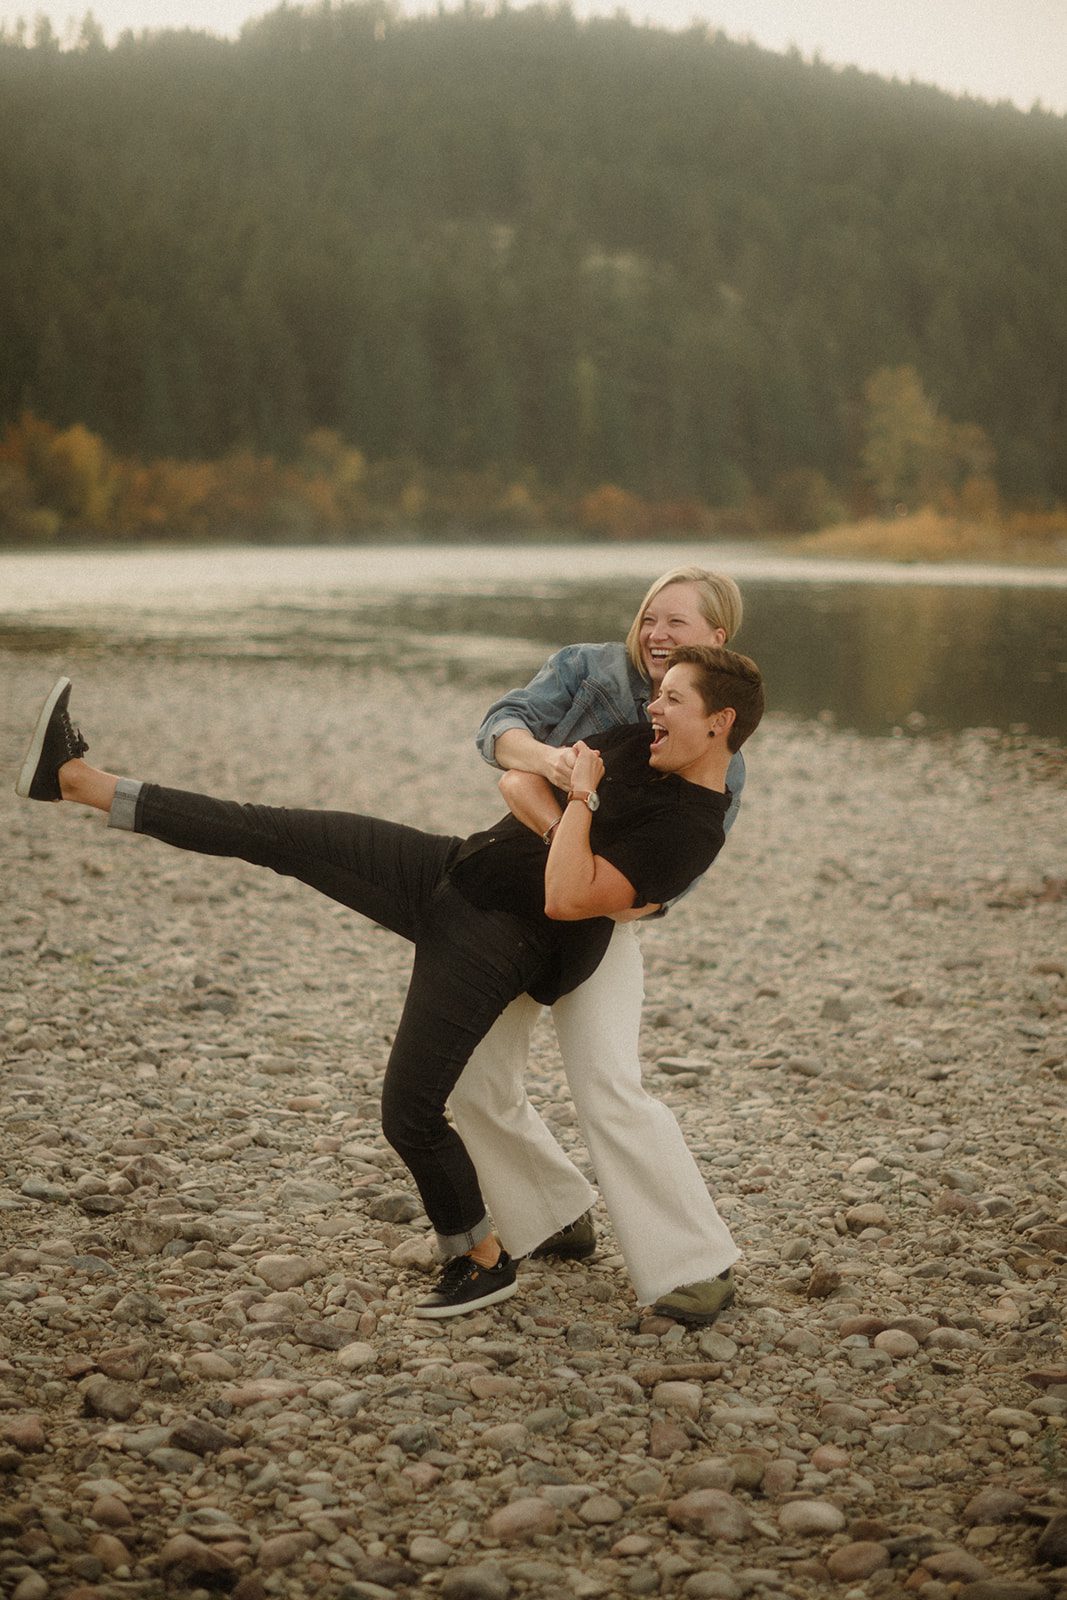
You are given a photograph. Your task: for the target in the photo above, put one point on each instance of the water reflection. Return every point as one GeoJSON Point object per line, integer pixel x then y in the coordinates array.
{"type": "Point", "coordinates": [870, 655]}
{"type": "Point", "coordinates": [879, 657]}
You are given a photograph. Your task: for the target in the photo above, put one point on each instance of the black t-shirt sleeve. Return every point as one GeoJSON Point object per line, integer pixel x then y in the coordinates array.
{"type": "Point", "coordinates": [661, 861]}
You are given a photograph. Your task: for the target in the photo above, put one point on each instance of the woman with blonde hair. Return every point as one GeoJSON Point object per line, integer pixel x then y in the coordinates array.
{"type": "Point", "coordinates": [677, 1249]}
{"type": "Point", "coordinates": [490, 916]}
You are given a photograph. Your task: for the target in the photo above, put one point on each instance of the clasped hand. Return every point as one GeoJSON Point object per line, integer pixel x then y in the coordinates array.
{"type": "Point", "coordinates": [588, 768]}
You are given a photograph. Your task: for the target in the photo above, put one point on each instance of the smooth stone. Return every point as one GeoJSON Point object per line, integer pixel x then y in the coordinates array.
{"type": "Point", "coordinates": [811, 1517]}
{"type": "Point", "coordinates": [714, 1472]}
{"type": "Point", "coordinates": [712, 1586]}
{"type": "Point", "coordinates": [109, 1551]}
{"type": "Point", "coordinates": [686, 1397]}
{"type": "Point", "coordinates": [26, 1433]}
{"type": "Point", "coordinates": [486, 1581]}
{"type": "Point", "coordinates": [1051, 1547]}
{"type": "Point", "coordinates": [522, 1519]}
{"type": "Point", "coordinates": [429, 1552]}
{"type": "Point", "coordinates": [632, 1544]}
{"type": "Point", "coordinates": [896, 1343]}
{"type": "Point", "coordinates": [716, 1346]}
{"type": "Point", "coordinates": [851, 1562]}
{"type": "Point", "coordinates": [712, 1513]}
{"type": "Point", "coordinates": [866, 1216]}
{"type": "Point", "coordinates": [202, 1438]}
{"type": "Point", "coordinates": [665, 1439]}
{"type": "Point", "coordinates": [194, 1562]}
{"type": "Point", "coordinates": [993, 1505]}
{"type": "Point", "coordinates": [31, 1587]}
{"type": "Point", "coordinates": [257, 1389]}
{"type": "Point", "coordinates": [600, 1509]}
{"type": "Point", "coordinates": [505, 1437]}
{"type": "Point", "coordinates": [111, 1511]}
{"type": "Point", "coordinates": [205, 1364]}
{"type": "Point", "coordinates": [287, 1272]}
{"type": "Point", "coordinates": [779, 1477]}
{"type": "Point", "coordinates": [104, 1397]}
{"type": "Point", "coordinates": [282, 1549]}
{"type": "Point", "coordinates": [355, 1355]}
{"type": "Point", "coordinates": [955, 1566]}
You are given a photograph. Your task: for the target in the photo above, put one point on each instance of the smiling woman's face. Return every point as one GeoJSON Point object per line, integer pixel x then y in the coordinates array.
{"type": "Point", "coordinates": [671, 618]}
{"type": "Point", "coordinates": [680, 722]}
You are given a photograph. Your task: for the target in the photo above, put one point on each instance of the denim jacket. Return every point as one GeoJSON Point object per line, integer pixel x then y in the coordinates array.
{"type": "Point", "coordinates": [581, 691]}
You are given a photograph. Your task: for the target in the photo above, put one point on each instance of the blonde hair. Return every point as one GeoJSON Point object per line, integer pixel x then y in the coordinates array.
{"type": "Point", "coordinates": [718, 595]}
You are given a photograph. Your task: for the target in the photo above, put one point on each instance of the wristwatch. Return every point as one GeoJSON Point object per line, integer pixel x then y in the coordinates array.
{"type": "Point", "coordinates": [588, 796]}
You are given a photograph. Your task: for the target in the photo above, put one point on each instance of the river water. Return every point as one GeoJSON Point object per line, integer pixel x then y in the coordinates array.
{"type": "Point", "coordinates": [874, 646]}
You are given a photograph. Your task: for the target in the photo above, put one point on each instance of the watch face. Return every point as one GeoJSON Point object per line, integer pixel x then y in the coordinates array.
{"type": "Point", "coordinates": [592, 800]}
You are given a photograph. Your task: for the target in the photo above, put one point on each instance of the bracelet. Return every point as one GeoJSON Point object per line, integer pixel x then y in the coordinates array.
{"type": "Point", "coordinates": [548, 833]}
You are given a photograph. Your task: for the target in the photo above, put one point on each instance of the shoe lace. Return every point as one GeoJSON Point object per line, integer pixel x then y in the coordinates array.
{"type": "Point", "coordinates": [72, 736]}
{"type": "Point", "coordinates": [454, 1273]}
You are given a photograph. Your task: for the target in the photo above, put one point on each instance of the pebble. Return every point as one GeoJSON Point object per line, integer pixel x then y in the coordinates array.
{"type": "Point", "coordinates": [712, 1513]}
{"type": "Point", "coordinates": [486, 1581]}
{"type": "Point", "coordinates": [1051, 1549]}
{"type": "Point", "coordinates": [428, 1552]}
{"type": "Point", "coordinates": [811, 1516]}
{"type": "Point", "coordinates": [210, 1380]}
{"type": "Point", "coordinates": [282, 1550]}
{"type": "Point", "coordinates": [26, 1433]}
{"type": "Point", "coordinates": [355, 1355]}
{"type": "Point", "coordinates": [286, 1272]}
{"type": "Point", "coordinates": [522, 1519]}
{"type": "Point", "coordinates": [993, 1505]}
{"type": "Point", "coordinates": [896, 1343]}
{"type": "Point", "coordinates": [851, 1562]}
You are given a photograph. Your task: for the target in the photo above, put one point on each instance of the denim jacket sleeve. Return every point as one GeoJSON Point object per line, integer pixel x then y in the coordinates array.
{"type": "Point", "coordinates": [582, 690]}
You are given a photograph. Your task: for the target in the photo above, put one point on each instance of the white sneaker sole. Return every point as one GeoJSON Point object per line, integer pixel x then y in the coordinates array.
{"type": "Point", "coordinates": [491, 1299]}
{"type": "Point", "coordinates": [24, 782]}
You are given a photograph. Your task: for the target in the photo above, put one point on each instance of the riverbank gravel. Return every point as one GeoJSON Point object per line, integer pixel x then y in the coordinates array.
{"type": "Point", "coordinates": [210, 1380]}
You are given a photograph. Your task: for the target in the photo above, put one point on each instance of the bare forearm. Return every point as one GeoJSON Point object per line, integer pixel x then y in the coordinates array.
{"type": "Point", "coordinates": [530, 799]}
{"type": "Point", "coordinates": [570, 870]}
{"type": "Point", "coordinates": [516, 750]}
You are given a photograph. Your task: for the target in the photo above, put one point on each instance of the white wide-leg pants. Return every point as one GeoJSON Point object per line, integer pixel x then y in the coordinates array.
{"type": "Point", "coordinates": [665, 1221]}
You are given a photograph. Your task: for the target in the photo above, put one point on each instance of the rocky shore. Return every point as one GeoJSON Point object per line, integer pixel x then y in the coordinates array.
{"type": "Point", "coordinates": [210, 1381]}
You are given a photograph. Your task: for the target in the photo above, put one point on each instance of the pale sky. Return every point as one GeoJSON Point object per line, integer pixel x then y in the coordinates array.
{"type": "Point", "coordinates": [992, 49]}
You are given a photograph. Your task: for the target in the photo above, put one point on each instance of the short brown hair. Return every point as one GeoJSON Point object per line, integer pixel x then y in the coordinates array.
{"type": "Point", "coordinates": [719, 597]}
{"type": "Point", "coordinates": [725, 678]}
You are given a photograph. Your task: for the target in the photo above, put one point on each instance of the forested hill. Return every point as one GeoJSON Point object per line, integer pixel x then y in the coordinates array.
{"type": "Point", "coordinates": [594, 252]}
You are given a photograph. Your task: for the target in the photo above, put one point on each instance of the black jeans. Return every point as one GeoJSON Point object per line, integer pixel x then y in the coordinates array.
{"type": "Point", "coordinates": [469, 963]}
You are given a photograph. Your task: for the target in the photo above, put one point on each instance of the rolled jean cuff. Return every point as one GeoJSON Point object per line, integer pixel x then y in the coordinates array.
{"type": "Point", "coordinates": [458, 1244]}
{"type": "Point", "coordinates": [126, 806]}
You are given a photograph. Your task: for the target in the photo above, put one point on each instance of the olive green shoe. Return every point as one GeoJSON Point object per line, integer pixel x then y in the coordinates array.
{"type": "Point", "coordinates": [575, 1242]}
{"type": "Point", "coordinates": [698, 1302]}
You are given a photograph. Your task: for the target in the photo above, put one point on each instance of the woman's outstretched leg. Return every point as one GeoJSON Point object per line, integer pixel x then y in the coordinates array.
{"type": "Point", "coordinates": [383, 870]}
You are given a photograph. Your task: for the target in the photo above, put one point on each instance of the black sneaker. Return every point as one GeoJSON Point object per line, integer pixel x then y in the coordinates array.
{"type": "Point", "coordinates": [575, 1242]}
{"type": "Point", "coordinates": [54, 741]}
{"type": "Point", "coordinates": [464, 1285]}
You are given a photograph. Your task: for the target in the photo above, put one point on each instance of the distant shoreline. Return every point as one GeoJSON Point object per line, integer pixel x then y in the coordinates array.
{"type": "Point", "coordinates": [815, 558]}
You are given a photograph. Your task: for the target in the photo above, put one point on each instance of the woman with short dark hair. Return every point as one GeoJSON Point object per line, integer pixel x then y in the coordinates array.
{"type": "Point", "coordinates": [490, 916]}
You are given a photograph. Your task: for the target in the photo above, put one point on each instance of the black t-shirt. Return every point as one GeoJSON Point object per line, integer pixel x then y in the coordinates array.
{"type": "Point", "coordinates": [658, 830]}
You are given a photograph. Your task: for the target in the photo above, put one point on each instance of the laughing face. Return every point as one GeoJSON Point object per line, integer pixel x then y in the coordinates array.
{"type": "Point", "coordinates": [681, 727]}
{"type": "Point", "coordinates": [673, 617]}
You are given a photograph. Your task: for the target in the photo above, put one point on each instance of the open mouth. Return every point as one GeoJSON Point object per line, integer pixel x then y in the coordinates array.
{"type": "Point", "coordinates": [659, 737]}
